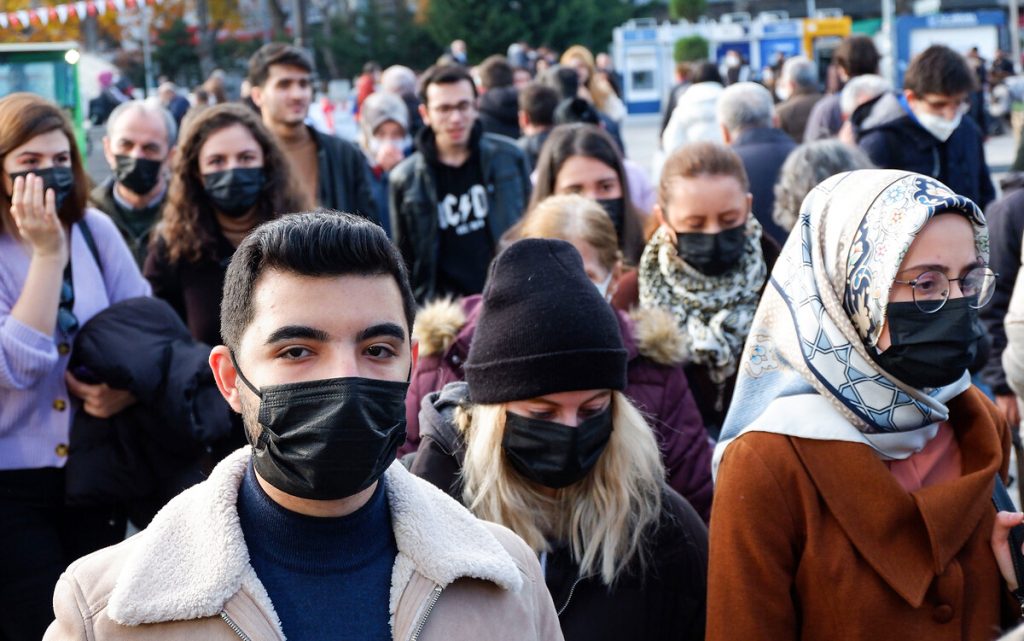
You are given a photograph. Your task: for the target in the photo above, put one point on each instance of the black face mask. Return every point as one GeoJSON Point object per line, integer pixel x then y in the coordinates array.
{"type": "Point", "coordinates": [553, 454]}
{"type": "Point", "coordinates": [616, 210]}
{"type": "Point", "coordinates": [60, 179]}
{"type": "Point", "coordinates": [931, 350]}
{"type": "Point", "coordinates": [329, 439]}
{"type": "Point", "coordinates": [138, 175]}
{"type": "Point", "coordinates": [713, 254]}
{"type": "Point", "coordinates": [234, 191]}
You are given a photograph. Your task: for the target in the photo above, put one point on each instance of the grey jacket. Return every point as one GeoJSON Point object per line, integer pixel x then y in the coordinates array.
{"type": "Point", "coordinates": [412, 200]}
{"type": "Point", "coordinates": [188, 577]}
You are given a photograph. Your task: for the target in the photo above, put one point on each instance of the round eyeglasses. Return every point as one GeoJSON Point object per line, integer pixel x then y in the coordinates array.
{"type": "Point", "coordinates": [931, 288]}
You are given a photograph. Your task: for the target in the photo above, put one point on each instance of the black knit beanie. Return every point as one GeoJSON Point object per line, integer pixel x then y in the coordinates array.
{"type": "Point", "coordinates": [544, 328]}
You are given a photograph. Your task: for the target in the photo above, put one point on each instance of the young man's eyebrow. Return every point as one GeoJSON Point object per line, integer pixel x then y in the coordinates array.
{"type": "Point", "coordinates": [382, 329]}
{"type": "Point", "coordinates": [291, 332]}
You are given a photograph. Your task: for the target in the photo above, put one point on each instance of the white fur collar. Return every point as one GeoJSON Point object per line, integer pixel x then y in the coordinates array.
{"type": "Point", "coordinates": [192, 558]}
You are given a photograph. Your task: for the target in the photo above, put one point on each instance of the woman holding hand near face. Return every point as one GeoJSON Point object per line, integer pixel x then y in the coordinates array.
{"type": "Point", "coordinates": [60, 265]}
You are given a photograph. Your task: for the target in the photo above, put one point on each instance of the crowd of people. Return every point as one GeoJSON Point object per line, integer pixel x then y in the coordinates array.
{"type": "Point", "coordinates": [479, 374]}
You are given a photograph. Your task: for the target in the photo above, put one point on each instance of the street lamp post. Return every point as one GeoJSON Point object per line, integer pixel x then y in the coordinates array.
{"type": "Point", "coordinates": [299, 22]}
{"type": "Point", "coordinates": [1015, 34]}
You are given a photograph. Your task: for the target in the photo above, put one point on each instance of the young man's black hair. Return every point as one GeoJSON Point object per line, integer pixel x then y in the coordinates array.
{"type": "Point", "coordinates": [939, 70]}
{"type": "Point", "coordinates": [276, 53]}
{"type": "Point", "coordinates": [857, 56]}
{"type": "Point", "coordinates": [495, 71]}
{"type": "Point", "coordinates": [539, 102]}
{"type": "Point", "coordinates": [444, 75]}
{"type": "Point", "coordinates": [323, 243]}
{"type": "Point", "coordinates": [564, 80]}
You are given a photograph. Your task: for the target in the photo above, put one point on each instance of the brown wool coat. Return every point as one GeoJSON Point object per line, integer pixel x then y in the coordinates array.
{"type": "Point", "coordinates": [815, 540]}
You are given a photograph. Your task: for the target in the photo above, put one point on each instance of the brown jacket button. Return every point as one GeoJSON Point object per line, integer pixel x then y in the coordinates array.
{"type": "Point", "coordinates": [943, 613]}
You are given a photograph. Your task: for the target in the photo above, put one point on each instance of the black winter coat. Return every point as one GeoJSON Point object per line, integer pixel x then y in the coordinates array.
{"type": "Point", "coordinates": [892, 139]}
{"type": "Point", "coordinates": [149, 452]}
{"type": "Point", "coordinates": [344, 177]}
{"type": "Point", "coordinates": [499, 111]}
{"type": "Point", "coordinates": [763, 150]}
{"type": "Point", "coordinates": [1005, 228]}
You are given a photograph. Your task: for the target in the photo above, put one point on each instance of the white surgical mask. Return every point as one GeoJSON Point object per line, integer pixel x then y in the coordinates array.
{"type": "Point", "coordinates": [376, 144]}
{"type": "Point", "coordinates": [937, 125]}
{"type": "Point", "coordinates": [602, 288]}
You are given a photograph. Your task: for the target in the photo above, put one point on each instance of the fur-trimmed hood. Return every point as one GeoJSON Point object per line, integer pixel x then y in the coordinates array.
{"type": "Point", "coordinates": [192, 558]}
{"type": "Point", "coordinates": [449, 325]}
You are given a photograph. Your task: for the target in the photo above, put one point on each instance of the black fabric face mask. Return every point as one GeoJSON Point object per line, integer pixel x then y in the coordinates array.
{"type": "Point", "coordinates": [552, 454]}
{"type": "Point", "coordinates": [234, 191]}
{"type": "Point", "coordinates": [931, 350]}
{"type": "Point", "coordinates": [616, 210]}
{"type": "Point", "coordinates": [138, 175]}
{"type": "Point", "coordinates": [60, 179]}
{"type": "Point", "coordinates": [328, 439]}
{"type": "Point", "coordinates": [713, 254]}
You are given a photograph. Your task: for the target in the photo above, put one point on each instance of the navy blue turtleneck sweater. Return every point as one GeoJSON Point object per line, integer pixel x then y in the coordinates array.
{"type": "Point", "coordinates": [327, 577]}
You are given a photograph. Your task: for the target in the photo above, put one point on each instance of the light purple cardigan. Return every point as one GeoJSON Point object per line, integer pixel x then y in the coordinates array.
{"type": "Point", "coordinates": [35, 409]}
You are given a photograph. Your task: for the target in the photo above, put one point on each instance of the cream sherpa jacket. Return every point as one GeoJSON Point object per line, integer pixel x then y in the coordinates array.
{"type": "Point", "coordinates": [188, 577]}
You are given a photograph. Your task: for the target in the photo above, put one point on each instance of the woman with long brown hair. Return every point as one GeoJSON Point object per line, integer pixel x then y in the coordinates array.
{"type": "Point", "coordinates": [583, 159]}
{"type": "Point", "coordinates": [229, 177]}
{"type": "Point", "coordinates": [60, 264]}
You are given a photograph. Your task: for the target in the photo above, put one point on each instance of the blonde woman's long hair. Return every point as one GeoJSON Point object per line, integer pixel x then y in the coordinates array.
{"type": "Point", "coordinates": [606, 518]}
{"type": "Point", "coordinates": [598, 87]}
{"type": "Point", "coordinates": [573, 218]}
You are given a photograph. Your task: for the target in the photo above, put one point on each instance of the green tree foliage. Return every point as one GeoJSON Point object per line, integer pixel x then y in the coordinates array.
{"type": "Point", "coordinates": [686, 9]}
{"type": "Point", "coordinates": [690, 48]}
{"type": "Point", "coordinates": [385, 32]}
{"type": "Point", "coordinates": [175, 54]}
{"type": "Point", "coordinates": [489, 26]}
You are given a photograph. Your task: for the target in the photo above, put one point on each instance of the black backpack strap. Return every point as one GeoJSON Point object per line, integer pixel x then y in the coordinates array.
{"type": "Point", "coordinates": [1003, 502]}
{"type": "Point", "coordinates": [91, 242]}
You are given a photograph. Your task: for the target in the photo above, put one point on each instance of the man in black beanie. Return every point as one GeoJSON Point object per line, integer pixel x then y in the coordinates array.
{"type": "Point", "coordinates": [518, 353]}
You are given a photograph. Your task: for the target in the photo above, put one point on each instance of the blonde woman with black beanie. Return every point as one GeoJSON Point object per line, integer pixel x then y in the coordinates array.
{"type": "Point", "coordinates": [541, 439]}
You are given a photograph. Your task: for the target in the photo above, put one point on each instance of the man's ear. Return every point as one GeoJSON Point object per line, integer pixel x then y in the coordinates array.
{"type": "Point", "coordinates": [256, 93]}
{"type": "Point", "coordinates": [169, 161]}
{"type": "Point", "coordinates": [423, 114]}
{"type": "Point", "coordinates": [726, 137]}
{"type": "Point", "coordinates": [659, 218]}
{"type": "Point", "coordinates": [108, 152]}
{"type": "Point", "coordinates": [226, 375]}
{"type": "Point", "coordinates": [524, 119]}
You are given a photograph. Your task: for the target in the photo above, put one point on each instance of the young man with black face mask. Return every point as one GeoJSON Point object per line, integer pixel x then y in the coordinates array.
{"type": "Point", "coordinates": [139, 148]}
{"type": "Point", "coordinates": [314, 531]}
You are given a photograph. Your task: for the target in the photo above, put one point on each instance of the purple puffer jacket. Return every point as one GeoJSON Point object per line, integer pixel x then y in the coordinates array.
{"type": "Point", "coordinates": [656, 385]}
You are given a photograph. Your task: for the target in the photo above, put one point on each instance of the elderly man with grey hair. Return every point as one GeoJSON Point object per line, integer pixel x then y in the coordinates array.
{"type": "Point", "coordinates": [799, 91]}
{"type": "Point", "coordinates": [808, 165]}
{"type": "Point", "coordinates": [747, 120]}
{"type": "Point", "coordinates": [139, 148]}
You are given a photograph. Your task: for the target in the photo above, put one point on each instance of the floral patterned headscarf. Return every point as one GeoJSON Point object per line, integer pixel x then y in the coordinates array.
{"type": "Point", "coordinates": [806, 369]}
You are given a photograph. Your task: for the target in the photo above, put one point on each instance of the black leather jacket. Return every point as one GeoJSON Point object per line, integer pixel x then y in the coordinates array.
{"type": "Point", "coordinates": [412, 198]}
{"type": "Point", "coordinates": [344, 177]}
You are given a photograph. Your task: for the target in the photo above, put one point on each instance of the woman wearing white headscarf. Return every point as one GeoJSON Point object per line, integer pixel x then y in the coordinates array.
{"type": "Point", "coordinates": [856, 466]}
